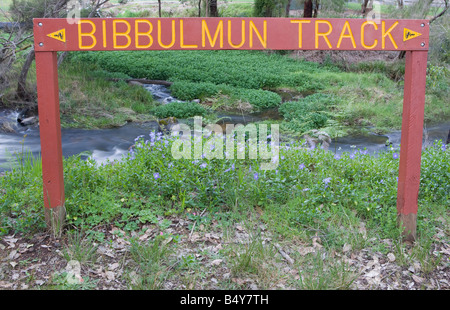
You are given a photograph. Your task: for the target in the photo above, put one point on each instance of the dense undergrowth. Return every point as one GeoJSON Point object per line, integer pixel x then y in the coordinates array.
{"type": "Point", "coordinates": [308, 189]}
{"type": "Point", "coordinates": [368, 94]}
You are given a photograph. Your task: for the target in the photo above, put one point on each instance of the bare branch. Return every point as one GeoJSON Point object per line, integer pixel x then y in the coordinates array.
{"type": "Point", "coordinates": [442, 13]}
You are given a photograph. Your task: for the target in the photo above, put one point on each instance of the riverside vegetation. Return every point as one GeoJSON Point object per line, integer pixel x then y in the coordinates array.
{"type": "Point", "coordinates": [177, 219]}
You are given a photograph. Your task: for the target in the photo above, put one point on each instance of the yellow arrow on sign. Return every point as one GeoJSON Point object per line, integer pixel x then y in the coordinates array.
{"type": "Point", "coordinates": [59, 35]}
{"type": "Point", "coordinates": [409, 34]}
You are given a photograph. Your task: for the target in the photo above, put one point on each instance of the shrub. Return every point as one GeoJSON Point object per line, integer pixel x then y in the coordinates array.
{"type": "Point", "coordinates": [184, 90]}
{"type": "Point", "coordinates": [260, 99]}
{"type": "Point", "coordinates": [307, 113]}
{"type": "Point", "coordinates": [180, 110]}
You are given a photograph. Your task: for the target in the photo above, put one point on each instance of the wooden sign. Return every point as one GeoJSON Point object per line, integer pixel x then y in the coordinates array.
{"type": "Point", "coordinates": [103, 34]}
{"type": "Point", "coordinates": [118, 34]}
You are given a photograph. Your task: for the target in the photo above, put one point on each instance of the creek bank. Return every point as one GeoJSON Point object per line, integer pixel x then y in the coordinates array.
{"type": "Point", "coordinates": [112, 143]}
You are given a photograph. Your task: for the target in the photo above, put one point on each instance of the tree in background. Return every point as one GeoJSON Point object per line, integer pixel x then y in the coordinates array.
{"type": "Point", "coordinates": [308, 9]}
{"type": "Point", "coordinates": [212, 8]}
{"type": "Point", "coordinates": [270, 8]}
{"type": "Point", "coordinates": [311, 8]}
{"type": "Point", "coordinates": [23, 11]}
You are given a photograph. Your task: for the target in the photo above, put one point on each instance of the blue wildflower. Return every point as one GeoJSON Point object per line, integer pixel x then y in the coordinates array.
{"type": "Point", "coordinates": [255, 176]}
{"type": "Point", "coordinates": [156, 175]}
{"type": "Point", "coordinates": [326, 180]}
{"type": "Point", "coordinates": [395, 156]}
{"type": "Point", "coordinates": [138, 137]}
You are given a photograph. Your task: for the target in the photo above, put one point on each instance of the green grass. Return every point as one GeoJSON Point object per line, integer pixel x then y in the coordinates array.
{"type": "Point", "coordinates": [346, 201]}
{"type": "Point", "coordinates": [309, 188]}
{"type": "Point", "coordinates": [369, 93]}
{"type": "Point", "coordinates": [91, 99]}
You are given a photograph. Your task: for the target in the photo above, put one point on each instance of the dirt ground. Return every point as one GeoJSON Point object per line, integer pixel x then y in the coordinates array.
{"type": "Point", "coordinates": [37, 263]}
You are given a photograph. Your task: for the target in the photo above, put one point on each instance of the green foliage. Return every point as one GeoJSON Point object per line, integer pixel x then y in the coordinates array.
{"type": "Point", "coordinates": [203, 74]}
{"type": "Point", "coordinates": [308, 188]}
{"type": "Point", "coordinates": [184, 90]}
{"type": "Point", "coordinates": [236, 10]}
{"type": "Point", "coordinates": [308, 113]}
{"type": "Point", "coordinates": [334, 5]}
{"type": "Point", "coordinates": [151, 261]}
{"type": "Point", "coordinates": [94, 98]}
{"type": "Point", "coordinates": [134, 14]}
{"type": "Point", "coordinates": [180, 110]}
{"type": "Point", "coordinates": [264, 8]}
{"type": "Point", "coordinates": [438, 78]}
{"type": "Point", "coordinates": [25, 10]}
{"type": "Point", "coordinates": [260, 99]}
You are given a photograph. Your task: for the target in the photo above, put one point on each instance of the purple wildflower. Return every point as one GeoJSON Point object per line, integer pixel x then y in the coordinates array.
{"type": "Point", "coordinates": [444, 147]}
{"type": "Point", "coordinates": [203, 165]}
{"type": "Point", "coordinates": [255, 176]}
{"type": "Point", "coordinates": [301, 166]}
{"type": "Point", "coordinates": [337, 156]}
{"type": "Point", "coordinates": [326, 180]}
{"type": "Point", "coordinates": [138, 137]}
{"type": "Point", "coordinates": [395, 156]}
{"type": "Point", "coordinates": [156, 175]}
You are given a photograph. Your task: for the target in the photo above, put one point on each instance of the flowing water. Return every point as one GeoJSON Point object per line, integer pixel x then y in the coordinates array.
{"type": "Point", "coordinates": [110, 144]}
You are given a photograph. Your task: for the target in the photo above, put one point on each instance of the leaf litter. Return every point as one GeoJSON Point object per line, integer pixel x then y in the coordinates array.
{"type": "Point", "coordinates": [36, 263]}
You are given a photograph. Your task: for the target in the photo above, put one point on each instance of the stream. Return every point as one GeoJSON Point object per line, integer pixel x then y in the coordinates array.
{"type": "Point", "coordinates": [110, 144]}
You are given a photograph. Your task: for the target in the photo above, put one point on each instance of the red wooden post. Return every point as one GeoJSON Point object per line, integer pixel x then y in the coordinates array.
{"type": "Point", "coordinates": [411, 141]}
{"type": "Point", "coordinates": [50, 135]}
{"type": "Point", "coordinates": [52, 35]}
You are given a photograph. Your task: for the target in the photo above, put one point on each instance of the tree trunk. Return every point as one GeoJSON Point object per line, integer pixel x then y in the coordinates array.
{"type": "Point", "coordinates": [308, 9]}
{"type": "Point", "coordinates": [22, 81]}
{"type": "Point", "coordinates": [288, 8]}
{"type": "Point", "coordinates": [213, 8]}
{"type": "Point", "coordinates": [400, 4]}
{"type": "Point", "coordinates": [159, 8]}
{"type": "Point", "coordinates": [364, 7]}
{"type": "Point", "coordinates": [316, 8]}
{"type": "Point", "coordinates": [199, 8]}
{"type": "Point", "coordinates": [61, 58]}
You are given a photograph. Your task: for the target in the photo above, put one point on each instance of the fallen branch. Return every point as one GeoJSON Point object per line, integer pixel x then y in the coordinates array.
{"type": "Point", "coordinates": [193, 226]}
{"type": "Point", "coordinates": [284, 254]}
{"type": "Point", "coordinates": [145, 81]}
